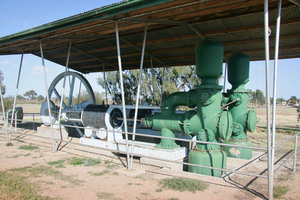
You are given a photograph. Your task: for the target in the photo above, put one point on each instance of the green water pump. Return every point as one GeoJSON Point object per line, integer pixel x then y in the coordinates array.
{"type": "Point", "coordinates": [244, 120]}
{"type": "Point", "coordinates": [207, 121]}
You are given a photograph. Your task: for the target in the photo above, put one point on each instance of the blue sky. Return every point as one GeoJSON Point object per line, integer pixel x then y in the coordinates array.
{"type": "Point", "coordinates": [18, 15]}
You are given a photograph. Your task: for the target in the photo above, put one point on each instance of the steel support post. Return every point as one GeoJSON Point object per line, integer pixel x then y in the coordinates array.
{"type": "Point", "coordinates": [16, 118]}
{"type": "Point", "coordinates": [225, 76]}
{"type": "Point", "coordinates": [63, 96]}
{"type": "Point", "coordinates": [267, 66]}
{"type": "Point", "coordinates": [47, 95]}
{"type": "Point", "coordinates": [275, 81]}
{"type": "Point", "coordinates": [153, 81]}
{"type": "Point", "coordinates": [16, 93]}
{"type": "Point", "coordinates": [295, 150]}
{"type": "Point", "coordinates": [122, 91]}
{"type": "Point", "coordinates": [104, 77]}
{"type": "Point", "coordinates": [162, 86]}
{"type": "Point", "coordinates": [3, 110]}
{"type": "Point", "coordinates": [138, 96]}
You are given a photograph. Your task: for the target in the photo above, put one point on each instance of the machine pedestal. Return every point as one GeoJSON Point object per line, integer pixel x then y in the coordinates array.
{"type": "Point", "coordinates": [217, 159]}
{"type": "Point", "coordinates": [235, 152]}
{"type": "Point", "coordinates": [142, 149]}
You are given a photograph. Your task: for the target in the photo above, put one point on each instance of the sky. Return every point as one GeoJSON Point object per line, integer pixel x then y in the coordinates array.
{"type": "Point", "coordinates": [19, 15]}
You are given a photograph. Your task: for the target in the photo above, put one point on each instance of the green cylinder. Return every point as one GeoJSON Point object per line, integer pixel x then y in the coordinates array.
{"type": "Point", "coordinates": [238, 70]}
{"type": "Point", "coordinates": [235, 152]}
{"type": "Point", "coordinates": [217, 159]}
{"type": "Point", "coordinates": [209, 61]}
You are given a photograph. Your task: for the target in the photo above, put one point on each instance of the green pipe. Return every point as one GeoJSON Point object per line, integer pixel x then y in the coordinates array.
{"type": "Point", "coordinates": [178, 99]}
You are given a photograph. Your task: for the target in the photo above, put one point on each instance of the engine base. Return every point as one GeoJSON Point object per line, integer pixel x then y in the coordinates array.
{"type": "Point", "coordinates": [235, 152]}
{"type": "Point", "coordinates": [217, 159]}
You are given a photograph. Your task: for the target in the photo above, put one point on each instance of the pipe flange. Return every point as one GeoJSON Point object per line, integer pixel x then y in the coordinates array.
{"type": "Point", "coordinates": [251, 120]}
{"type": "Point", "coordinates": [206, 135]}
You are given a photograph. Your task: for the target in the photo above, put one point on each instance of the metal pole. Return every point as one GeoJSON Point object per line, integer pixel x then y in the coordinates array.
{"type": "Point", "coordinates": [153, 81]}
{"type": "Point", "coordinates": [79, 92]}
{"type": "Point", "coordinates": [267, 57]}
{"type": "Point", "coordinates": [138, 95]}
{"type": "Point", "coordinates": [122, 91]}
{"type": "Point", "coordinates": [225, 76]}
{"type": "Point", "coordinates": [63, 94]}
{"type": "Point", "coordinates": [47, 95]}
{"type": "Point", "coordinates": [7, 135]}
{"type": "Point", "coordinates": [295, 150]}
{"type": "Point", "coordinates": [16, 93]}
{"type": "Point", "coordinates": [275, 81]}
{"type": "Point", "coordinates": [162, 86]}
{"type": "Point", "coordinates": [16, 122]}
{"type": "Point", "coordinates": [3, 110]}
{"type": "Point", "coordinates": [104, 77]}
{"type": "Point", "coordinates": [33, 121]}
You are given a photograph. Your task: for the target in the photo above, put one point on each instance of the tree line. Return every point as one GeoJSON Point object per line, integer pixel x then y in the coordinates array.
{"type": "Point", "coordinates": [155, 83]}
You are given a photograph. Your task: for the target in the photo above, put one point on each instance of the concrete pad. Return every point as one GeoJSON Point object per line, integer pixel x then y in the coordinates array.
{"type": "Point", "coordinates": [163, 164]}
{"type": "Point", "coordinates": [235, 163]}
{"type": "Point", "coordinates": [94, 150]}
{"type": "Point", "coordinates": [132, 173]}
{"type": "Point", "coordinates": [45, 131]}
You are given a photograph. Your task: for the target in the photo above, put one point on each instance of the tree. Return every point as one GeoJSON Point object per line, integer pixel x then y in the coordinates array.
{"type": "Point", "coordinates": [20, 97]}
{"type": "Point", "coordinates": [293, 100]}
{"type": "Point", "coordinates": [280, 100]}
{"type": "Point", "coordinates": [257, 97]}
{"type": "Point", "coordinates": [40, 98]}
{"type": "Point", "coordinates": [260, 97]}
{"type": "Point", "coordinates": [3, 88]}
{"type": "Point", "coordinates": [175, 79]}
{"type": "Point", "coordinates": [31, 94]}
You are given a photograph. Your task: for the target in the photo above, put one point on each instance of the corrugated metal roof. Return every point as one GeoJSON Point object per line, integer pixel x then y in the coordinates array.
{"type": "Point", "coordinates": [174, 29]}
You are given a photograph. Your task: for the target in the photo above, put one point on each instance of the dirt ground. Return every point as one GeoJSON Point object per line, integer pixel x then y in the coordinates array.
{"type": "Point", "coordinates": [52, 174]}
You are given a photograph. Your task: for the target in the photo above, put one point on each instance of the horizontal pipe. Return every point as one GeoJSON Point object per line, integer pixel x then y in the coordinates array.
{"type": "Point", "coordinates": [281, 128]}
{"type": "Point", "coordinates": [278, 144]}
{"type": "Point", "coordinates": [285, 161]}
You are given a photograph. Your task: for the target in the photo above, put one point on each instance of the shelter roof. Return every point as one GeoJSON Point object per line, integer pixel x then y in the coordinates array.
{"type": "Point", "coordinates": [174, 29]}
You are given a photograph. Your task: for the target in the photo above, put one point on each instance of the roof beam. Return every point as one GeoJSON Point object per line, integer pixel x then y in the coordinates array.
{"type": "Point", "coordinates": [297, 2]}
{"type": "Point", "coordinates": [139, 49]}
{"type": "Point", "coordinates": [94, 57]}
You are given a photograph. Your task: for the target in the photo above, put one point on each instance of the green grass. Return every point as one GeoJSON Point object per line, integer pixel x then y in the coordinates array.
{"type": "Point", "coordinates": [106, 196]}
{"type": "Point", "coordinates": [57, 162]}
{"type": "Point", "coordinates": [28, 147]}
{"type": "Point", "coordinates": [91, 161]}
{"type": "Point", "coordinates": [100, 173]}
{"type": "Point", "coordinates": [16, 187]}
{"type": "Point", "coordinates": [46, 170]}
{"type": "Point", "coordinates": [84, 161]}
{"type": "Point", "coordinates": [280, 190]}
{"type": "Point", "coordinates": [9, 144]}
{"type": "Point", "coordinates": [184, 184]}
{"type": "Point", "coordinates": [76, 161]}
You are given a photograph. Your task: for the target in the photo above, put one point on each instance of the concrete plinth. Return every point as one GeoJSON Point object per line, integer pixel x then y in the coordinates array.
{"type": "Point", "coordinates": [141, 149]}
{"type": "Point", "coordinates": [45, 131]}
{"type": "Point", "coordinates": [163, 164]}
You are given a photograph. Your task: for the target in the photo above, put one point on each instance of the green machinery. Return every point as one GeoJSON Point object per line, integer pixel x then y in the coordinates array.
{"type": "Point", "coordinates": [208, 122]}
{"type": "Point", "coordinates": [207, 119]}
{"type": "Point", "coordinates": [244, 120]}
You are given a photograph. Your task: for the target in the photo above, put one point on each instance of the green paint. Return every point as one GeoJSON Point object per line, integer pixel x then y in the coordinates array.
{"type": "Point", "coordinates": [217, 159]}
{"type": "Point", "coordinates": [244, 120]}
{"type": "Point", "coordinates": [236, 152]}
{"type": "Point", "coordinates": [208, 122]}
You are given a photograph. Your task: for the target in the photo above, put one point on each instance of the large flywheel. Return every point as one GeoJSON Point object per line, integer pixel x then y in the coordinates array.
{"type": "Point", "coordinates": [78, 94]}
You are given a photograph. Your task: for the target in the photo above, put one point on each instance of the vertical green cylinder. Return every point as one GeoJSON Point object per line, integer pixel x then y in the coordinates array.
{"type": "Point", "coordinates": [209, 61]}
{"type": "Point", "coordinates": [238, 77]}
